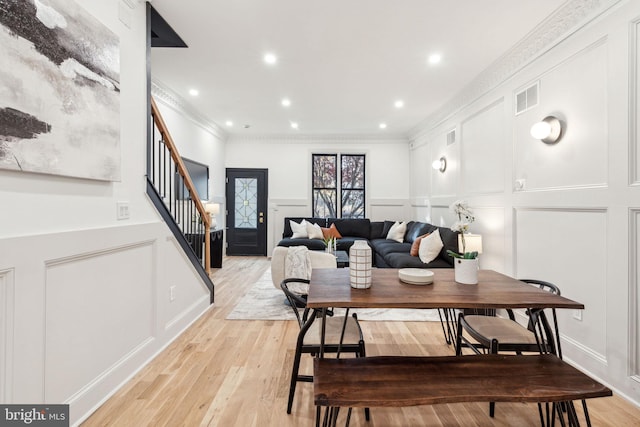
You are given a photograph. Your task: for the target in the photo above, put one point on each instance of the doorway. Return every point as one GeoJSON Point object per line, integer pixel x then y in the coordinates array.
{"type": "Point", "coordinates": [246, 201]}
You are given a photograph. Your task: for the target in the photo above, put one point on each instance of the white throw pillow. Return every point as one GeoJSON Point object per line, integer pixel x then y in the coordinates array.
{"type": "Point", "coordinates": [299, 230]}
{"type": "Point", "coordinates": [314, 231]}
{"type": "Point", "coordinates": [430, 247]}
{"type": "Point", "coordinates": [396, 232]}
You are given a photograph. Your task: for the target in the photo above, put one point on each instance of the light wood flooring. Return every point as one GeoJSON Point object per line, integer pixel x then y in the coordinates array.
{"type": "Point", "coordinates": [236, 373]}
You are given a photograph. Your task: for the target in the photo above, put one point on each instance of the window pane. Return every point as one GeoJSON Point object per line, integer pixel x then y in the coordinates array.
{"type": "Point", "coordinates": [246, 203]}
{"type": "Point", "coordinates": [324, 203]}
{"type": "Point", "coordinates": [352, 171]}
{"type": "Point", "coordinates": [324, 171]}
{"type": "Point", "coordinates": [352, 203]}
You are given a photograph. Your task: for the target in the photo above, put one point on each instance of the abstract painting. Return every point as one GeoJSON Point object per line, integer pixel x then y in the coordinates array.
{"type": "Point", "coordinates": [59, 91]}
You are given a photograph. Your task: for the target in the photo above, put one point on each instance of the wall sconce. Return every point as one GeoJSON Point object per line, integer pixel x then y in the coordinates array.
{"type": "Point", "coordinates": [212, 209]}
{"type": "Point", "coordinates": [549, 130]}
{"type": "Point", "coordinates": [440, 164]}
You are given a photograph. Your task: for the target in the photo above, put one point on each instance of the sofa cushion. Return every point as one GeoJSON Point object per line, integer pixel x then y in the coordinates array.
{"type": "Point", "coordinates": [345, 243]}
{"type": "Point", "coordinates": [415, 246]}
{"type": "Point", "coordinates": [312, 244]}
{"type": "Point", "coordinates": [450, 241]}
{"type": "Point", "coordinates": [416, 229]}
{"type": "Point", "coordinates": [430, 247]}
{"type": "Point", "coordinates": [386, 246]}
{"type": "Point", "coordinates": [377, 230]}
{"type": "Point", "coordinates": [299, 230]}
{"type": "Point", "coordinates": [397, 231]}
{"type": "Point", "coordinates": [405, 260]}
{"type": "Point", "coordinates": [352, 227]}
{"type": "Point", "coordinates": [322, 222]}
{"type": "Point", "coordinates": [331, 232]}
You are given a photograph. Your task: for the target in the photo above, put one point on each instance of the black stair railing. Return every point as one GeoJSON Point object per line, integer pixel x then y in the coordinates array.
{"type": "Point", "coordinates": [181, 207]}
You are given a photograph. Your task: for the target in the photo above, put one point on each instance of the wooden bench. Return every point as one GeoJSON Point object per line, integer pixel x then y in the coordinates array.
{"type": "Point", "coordinates": [397, 381]}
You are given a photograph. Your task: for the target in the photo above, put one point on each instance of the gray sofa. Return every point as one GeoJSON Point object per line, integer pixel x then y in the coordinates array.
{"type": "Point", "coordinates": [386, 253]}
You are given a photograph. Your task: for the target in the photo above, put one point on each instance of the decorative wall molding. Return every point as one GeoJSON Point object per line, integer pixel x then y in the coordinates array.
{"type": "Point", "coordinates": [634, 293]}
{"type": "Point", "coordinates": [172, 100]}
{"type": "Point", "coordinates": [572, 16]}
{"type": "Point", "coordinates": [634, 96]}
{"type": "Point", "coordinates": [102, 252]}
{"type": "Point", "coordinates": [7, 286]}
{"type": "Point", "coordinates": [320, 139]}
{"type": "Point", "coordinates": [600, 358]}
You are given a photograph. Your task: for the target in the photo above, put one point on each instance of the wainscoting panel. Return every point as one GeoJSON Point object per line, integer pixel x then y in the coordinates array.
{"type": "Point", "coordinates": [420, 164]}
{"type": "Point", "coordinates": [579, 158]}
{"type": "Point", "coordinates": [634, 293]}
{"type": "Point", "coordinates": [568, 247]}
{"type": "Point", "coordinates": [444, 184]}
{"type": "Point", "coordinates": [7, 285]}
{"type": "Point", "coordinates": [99, 309]}
{"type": "Point", "coordinates": [482, 150]}
{"type": "Point", "coordinates": [634, 116]}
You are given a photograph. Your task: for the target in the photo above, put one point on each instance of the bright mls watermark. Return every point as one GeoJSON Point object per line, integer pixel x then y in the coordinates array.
{"type": "Point", "coordinates": [34, 415]}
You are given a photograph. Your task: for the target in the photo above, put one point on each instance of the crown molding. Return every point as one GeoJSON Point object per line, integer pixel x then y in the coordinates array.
{"type": "Point", "coordinates": [321, 138]}
{"type": "Point", "coordinates": [162, 93]}
{"type": "Point", "coordinates": [569, 18]}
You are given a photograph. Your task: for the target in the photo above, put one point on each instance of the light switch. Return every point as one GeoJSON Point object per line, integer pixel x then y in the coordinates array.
{"type": "Point", "coordinates": [122, 210]}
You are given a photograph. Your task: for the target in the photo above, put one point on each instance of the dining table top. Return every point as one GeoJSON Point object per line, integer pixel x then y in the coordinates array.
{"type": "Point", "coordinates": [329, 287]}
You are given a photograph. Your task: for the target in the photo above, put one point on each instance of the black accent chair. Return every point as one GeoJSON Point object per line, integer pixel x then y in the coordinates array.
{"type": "Point", "coordinates": [309, 337]}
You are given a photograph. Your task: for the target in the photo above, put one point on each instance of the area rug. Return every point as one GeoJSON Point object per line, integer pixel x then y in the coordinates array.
{"type": "Point", "coordinates": [264, 302]}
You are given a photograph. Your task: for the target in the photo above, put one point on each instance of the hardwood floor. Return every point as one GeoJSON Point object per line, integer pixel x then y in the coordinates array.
{"type": "Point", "coordinates": [236, 373]}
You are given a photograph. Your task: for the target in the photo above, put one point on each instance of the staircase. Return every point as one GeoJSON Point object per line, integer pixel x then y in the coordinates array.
{"type": "Point", "coordinates": [182, 210]}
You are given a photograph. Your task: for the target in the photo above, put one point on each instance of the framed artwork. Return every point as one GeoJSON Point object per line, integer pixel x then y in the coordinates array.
{"type": "Point", "coordinates": [59, 91]}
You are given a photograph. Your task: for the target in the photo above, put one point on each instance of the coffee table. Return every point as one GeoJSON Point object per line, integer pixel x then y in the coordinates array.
{"type": "Point", "coordinates": [342, 258]}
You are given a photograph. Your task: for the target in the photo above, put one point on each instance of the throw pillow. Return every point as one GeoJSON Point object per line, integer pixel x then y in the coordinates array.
{"type": "Point", "coordinates": [314, 231]}
{"type": "Point", "coordinates": [415, 246]}
{"type": "Point", "coordinates": [397, 231]}
{"type": "Point", "coordinates": [430, 247]}
{"type": "Point", "coordinates": [331, 232]}
{"type": "Point", "coordinates": [299, 230]}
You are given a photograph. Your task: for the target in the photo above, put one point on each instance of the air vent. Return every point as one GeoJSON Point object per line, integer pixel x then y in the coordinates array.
{"type": "Point", "coordinates": [527, 98]}
{"type": "Point", "coordinates": [451, 137]}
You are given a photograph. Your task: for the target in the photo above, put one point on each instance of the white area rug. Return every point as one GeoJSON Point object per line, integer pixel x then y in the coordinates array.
{"type": "Point", "coordinates": [264, 302]}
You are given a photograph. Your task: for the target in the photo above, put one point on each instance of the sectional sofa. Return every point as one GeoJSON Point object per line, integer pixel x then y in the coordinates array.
{"type": "Point", "coordinates": [387, 253]}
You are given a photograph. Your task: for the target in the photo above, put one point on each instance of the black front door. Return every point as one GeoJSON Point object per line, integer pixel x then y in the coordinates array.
{"type": "Point", "coordinates": [246, 202]}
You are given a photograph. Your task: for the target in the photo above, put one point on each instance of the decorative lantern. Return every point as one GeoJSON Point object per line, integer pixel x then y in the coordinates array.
{"type": "Point", "coordinates": [360, 265]}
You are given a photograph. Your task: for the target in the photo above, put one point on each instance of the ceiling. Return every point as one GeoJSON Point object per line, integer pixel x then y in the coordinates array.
{"type": "Point", "coordinates": [341, 63]}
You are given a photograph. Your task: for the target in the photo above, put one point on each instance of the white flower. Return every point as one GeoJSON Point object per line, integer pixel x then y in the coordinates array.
{"type": "Point", "coordinates": [460, 226]}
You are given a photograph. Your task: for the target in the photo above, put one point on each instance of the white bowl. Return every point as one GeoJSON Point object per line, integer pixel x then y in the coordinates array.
{"type": "Point", "coordinates": [415, 276]}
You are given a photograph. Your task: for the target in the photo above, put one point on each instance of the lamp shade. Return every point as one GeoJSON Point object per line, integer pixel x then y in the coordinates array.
{"type": "Point", "coordinates": [212, 208]}
{"type": "Point", "coordinates": [473, 243]}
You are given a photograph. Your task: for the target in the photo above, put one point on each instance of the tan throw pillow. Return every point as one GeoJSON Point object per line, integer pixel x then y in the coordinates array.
{"type": "Point", "coordinates": [430, 247]}
{"type": "Point", "coordinates": [396, 232]}
{"type": "Point", "coordinates": [415, 246]}
{"type": "Point", "coordinates": [299, 230]}
{"type": "Point", "coordinates": [314, 231]}
{"type": "Point", "coordinates": [331, 232]}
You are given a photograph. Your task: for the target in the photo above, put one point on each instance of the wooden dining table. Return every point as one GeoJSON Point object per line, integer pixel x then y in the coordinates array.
{"type": "Point", "coordinates": [330, 288]}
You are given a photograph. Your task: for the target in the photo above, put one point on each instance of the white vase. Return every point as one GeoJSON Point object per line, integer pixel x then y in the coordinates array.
{"type": "Point", "coordinates": [360, 265]}
{"type": "Point", "coordinates": [466, 270]}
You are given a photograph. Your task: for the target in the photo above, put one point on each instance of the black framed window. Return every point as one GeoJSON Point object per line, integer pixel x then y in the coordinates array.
{"type": "Point", "coordinates": [349, 171]}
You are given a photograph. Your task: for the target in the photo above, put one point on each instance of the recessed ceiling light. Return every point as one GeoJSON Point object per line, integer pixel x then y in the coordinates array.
{"type": "Point", "coordinates": [229, 123]}
{"type": "Point", "coordinates": [286, 102]}
{"type": "Point", "coordinates": [270, 58]}
{"type": "Point", "coordinates": [399, 103]}
{"type": "Point", "coordinates": [193, 92]}
{"type": "Point", "coordinates": [383, 125]}
{"type": "Point", "coordinates": [294, 125]}
{"type": "Point", "coordinates": [435, 58]}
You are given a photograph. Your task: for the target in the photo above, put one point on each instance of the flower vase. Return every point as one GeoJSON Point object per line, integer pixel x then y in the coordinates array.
{"type": "Point", "coordinates": [466, 270]}
{"type": "Point", "coordinates": [360, 265]}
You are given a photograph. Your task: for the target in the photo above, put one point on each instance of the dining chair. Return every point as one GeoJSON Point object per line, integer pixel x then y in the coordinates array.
{"type": "Point", "coordinates": [309, 336]}
{"type": "Point", "coordinates": [493, 334]}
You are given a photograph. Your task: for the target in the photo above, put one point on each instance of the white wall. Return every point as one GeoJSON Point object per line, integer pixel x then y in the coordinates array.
{"type": "Point", "coordinates": [289, 163]}
{"type": "Point", "coordinates": [575, 221]}
{"type": "Point", "coordinates": [84, 298]}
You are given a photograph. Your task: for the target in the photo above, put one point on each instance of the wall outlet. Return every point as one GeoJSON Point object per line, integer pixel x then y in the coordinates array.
{"type": "Point", "coordinates": [172, 293]}
{"type": "Point", "coordinates": [122, 210]}
{"type": "Point", "coordinates": [577, 314]}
